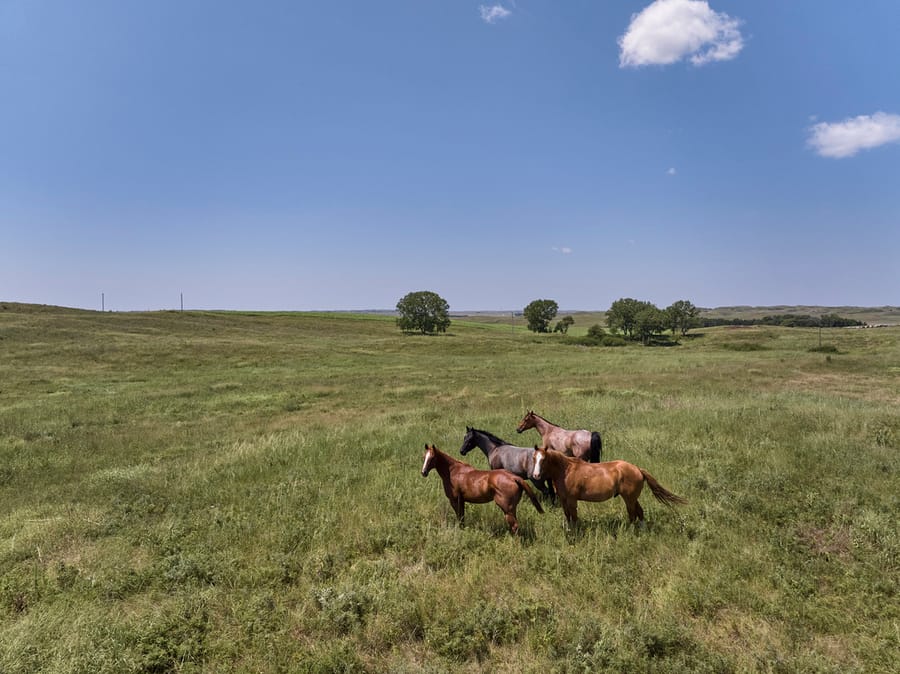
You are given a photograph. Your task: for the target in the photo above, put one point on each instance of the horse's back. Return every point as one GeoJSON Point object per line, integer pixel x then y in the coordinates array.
{"type": "Point", "coordinates": [518, 460]}
{"type": "Point", "coordinates": [600, 481]}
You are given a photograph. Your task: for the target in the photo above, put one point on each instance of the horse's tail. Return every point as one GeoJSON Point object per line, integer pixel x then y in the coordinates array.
{"type": "Point", "coordinates": [661, 494]}
{"type": "Point", "coordinates": [528, 490]}
{"type": "Point", "coordinates": [596, 447]}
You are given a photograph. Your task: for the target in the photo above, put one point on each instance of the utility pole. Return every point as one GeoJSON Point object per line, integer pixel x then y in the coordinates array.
{"type": "Point", "coordinates": [182, 301]}
{"type": "Point", "coordinates": [102, 301]}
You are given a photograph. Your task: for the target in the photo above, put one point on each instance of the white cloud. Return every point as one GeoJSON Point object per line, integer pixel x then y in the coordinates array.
{"type": "Point", "coordinates": [668, 31]}
{"type": "Point", "coordinates": [493, 13]}
{"type": "Point", "coordinates": [565, 250]}
{"type": "Point", "coordinates": [845, 139]}
{"type": "Point", "coordinates": [671, 171]}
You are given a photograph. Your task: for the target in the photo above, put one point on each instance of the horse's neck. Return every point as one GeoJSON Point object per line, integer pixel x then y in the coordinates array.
{"type": "Point", "coordinates": [443, 463]}
{"type": "Point", "coordinates": [560, 462]}
{"type": "Point", "coordinates": [542, 425]}
{"type": "Point", "coordinates": [486, 445]}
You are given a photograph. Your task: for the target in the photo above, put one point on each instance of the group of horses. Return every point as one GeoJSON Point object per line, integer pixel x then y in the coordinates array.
{"type": "Point", "coordinates": [566, 467]}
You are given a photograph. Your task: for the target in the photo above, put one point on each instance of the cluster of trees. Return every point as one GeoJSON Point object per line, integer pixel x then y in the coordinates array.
{"type": "Point", "coordinates": [641, 320]}
{"type": "Point", "coordinates": [635, 319]}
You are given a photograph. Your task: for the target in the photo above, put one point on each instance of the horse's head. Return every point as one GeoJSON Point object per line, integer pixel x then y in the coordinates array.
{"type": "Point", "coordinates": [429, 459]}
{"type": "Point", "coordinates": [469, 441]}
{"type": "Point", "coordinates": [526, 423]}
{"type": "Point", "coordinates": [540, 455]}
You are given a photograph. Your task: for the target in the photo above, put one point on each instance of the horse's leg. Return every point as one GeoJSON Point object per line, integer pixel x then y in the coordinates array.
{"type": "Point", "coordinates": [507, 503]}
{"type": "Point", "coordinates": [459, 507]}
{"type": "Point", "coordinates": [635, 512]}
{"type": "Point", "coordinates": [543, 486]}
{"type": "Point", "coordinates": [570, 508]}
{"type": "Point", "coordinates": [550, 490]}
{"type": "Point", "coordinates": [512, 522]}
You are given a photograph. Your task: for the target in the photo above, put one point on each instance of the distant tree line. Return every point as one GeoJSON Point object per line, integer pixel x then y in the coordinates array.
{"type": "Point", "coordinates": [427, 312]}
{"type": "Point", "coordinates": [786, 321]}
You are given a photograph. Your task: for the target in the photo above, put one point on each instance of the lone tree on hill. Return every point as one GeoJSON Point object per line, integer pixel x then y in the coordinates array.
{"type": "Point", "coordinates": [423, 311]}
{"type": "Point", "coordinates": [539, 313]}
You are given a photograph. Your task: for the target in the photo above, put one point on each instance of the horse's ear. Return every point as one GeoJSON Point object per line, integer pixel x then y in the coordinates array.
{"type": "Point", "coordinates": [426, 445]}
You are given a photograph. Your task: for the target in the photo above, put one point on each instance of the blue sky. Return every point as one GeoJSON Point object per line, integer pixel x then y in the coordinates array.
{"type": "Point", "coordinates": [337, 155]}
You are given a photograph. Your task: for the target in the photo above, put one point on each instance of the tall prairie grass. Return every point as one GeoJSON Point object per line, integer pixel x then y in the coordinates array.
{"type": "Point", "coordinates": [229, 492]}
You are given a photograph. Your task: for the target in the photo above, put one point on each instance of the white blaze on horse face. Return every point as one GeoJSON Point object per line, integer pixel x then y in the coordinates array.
{"type": "Point", "coordinates": [538, 458]}
{"type": "Point", "coordinates": [425, 466]}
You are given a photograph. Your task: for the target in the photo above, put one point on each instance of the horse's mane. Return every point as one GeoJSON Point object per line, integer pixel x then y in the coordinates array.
{"type": "Point", "coordinates": [493, 438]}
{"type": "Point", "coordinates": [545, 419]}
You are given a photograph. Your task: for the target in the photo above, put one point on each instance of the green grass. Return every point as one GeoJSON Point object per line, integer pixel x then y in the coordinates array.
{"type": "Point", "coordinates": [241, 492]}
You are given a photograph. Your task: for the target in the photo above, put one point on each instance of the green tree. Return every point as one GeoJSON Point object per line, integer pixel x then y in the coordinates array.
{"type": "Point", "coordinates": [620, 316]}
{"type": "Point", "coordinates": [563, 324]}
{"type": "Point", "coordinates": [539, 313]}
{"type": "Point", "coordinates": [596, 331]}
{"type": "Point", "coordinates": [648, 321]}
{"type": "Point", "coordinates": [681, 316]}
{"type": "Point", "coordinates": [423, 311]}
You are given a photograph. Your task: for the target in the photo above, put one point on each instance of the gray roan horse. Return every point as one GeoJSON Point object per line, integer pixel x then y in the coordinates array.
{"type": "Point", "coordinates": [581, 444]}
{"type": "Point", "coordinates": [501, 454]}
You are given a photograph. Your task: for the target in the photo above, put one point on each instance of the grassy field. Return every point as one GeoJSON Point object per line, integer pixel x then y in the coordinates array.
{"type": "Point", "coordinates": [224, 492]}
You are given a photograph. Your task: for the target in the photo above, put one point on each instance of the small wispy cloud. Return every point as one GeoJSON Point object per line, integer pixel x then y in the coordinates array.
{"type": "Point", "coordinates": [668, 31]}
{"type": "Point", "coordinates": [846, 138]}
{"type": "Point", "coordinates": [671, 171]}
{"type": "Point", "coordinates": [493, 13]}
{"type": "Point", "coordinates": [565, 250]}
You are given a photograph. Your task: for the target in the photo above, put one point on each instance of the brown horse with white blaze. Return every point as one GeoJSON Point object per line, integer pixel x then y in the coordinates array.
{"type": "Point", "coordinates": [582, 444]}
{"type": "Point", "coordinates": [463, 483]}
{"type": "Point", "coordinates": [576, 480]}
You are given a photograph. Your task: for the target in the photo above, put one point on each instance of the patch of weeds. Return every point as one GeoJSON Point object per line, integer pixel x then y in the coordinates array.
{"type": "Point", "coordinates": [396, 618]}
{"type": "Point", "coordinates": [21, 588]}
{"type": "Point", "coordinates": [343, 610]}
{"type": "Point", "coordinates": [669, 642]}
{"type": "Point", "coordinates": [471, 633]}
{"type": "Point", "coordinates": [183, 568]}
{"type": "Point", "coordinates": [325, 566]}
{"type": "Point", "coordinates": [263, 616]}
{"type": "Point", "coordinates": [883, 434]}
{"type": "Point", "coordinates": [824, 348]}
{"type": "Point", "coordinates": [447, 549]}
{"type": "Point", "coordinates": [7, 475]}
{"type": "Point", "coordinates": [334, 657]}
{"type": "Point", "coordinates": [124, 584]}
{"type": "Point", "coordinates": [66, 575]}
{"type": "Point", "coordinates": [176, 642]}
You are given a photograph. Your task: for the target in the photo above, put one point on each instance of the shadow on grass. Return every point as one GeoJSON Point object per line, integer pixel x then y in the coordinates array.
{"type": "Point", "coordinates": [613, 527]}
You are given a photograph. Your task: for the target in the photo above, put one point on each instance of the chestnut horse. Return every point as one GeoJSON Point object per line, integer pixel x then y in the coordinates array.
{"type": "Point", "coordinates": [464, 483]}
{"type": "Point", "coordinates": [576, 480]}
{"type": "Point", "coordinates": [581, 444]}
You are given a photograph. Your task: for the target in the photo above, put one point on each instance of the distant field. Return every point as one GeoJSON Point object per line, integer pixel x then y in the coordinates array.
{"type": "Point", "coordinates": [222, 491]}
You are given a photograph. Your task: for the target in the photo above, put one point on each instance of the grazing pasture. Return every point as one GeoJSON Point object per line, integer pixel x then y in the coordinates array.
{"type": "Point", "coordinates": [226, 492]}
